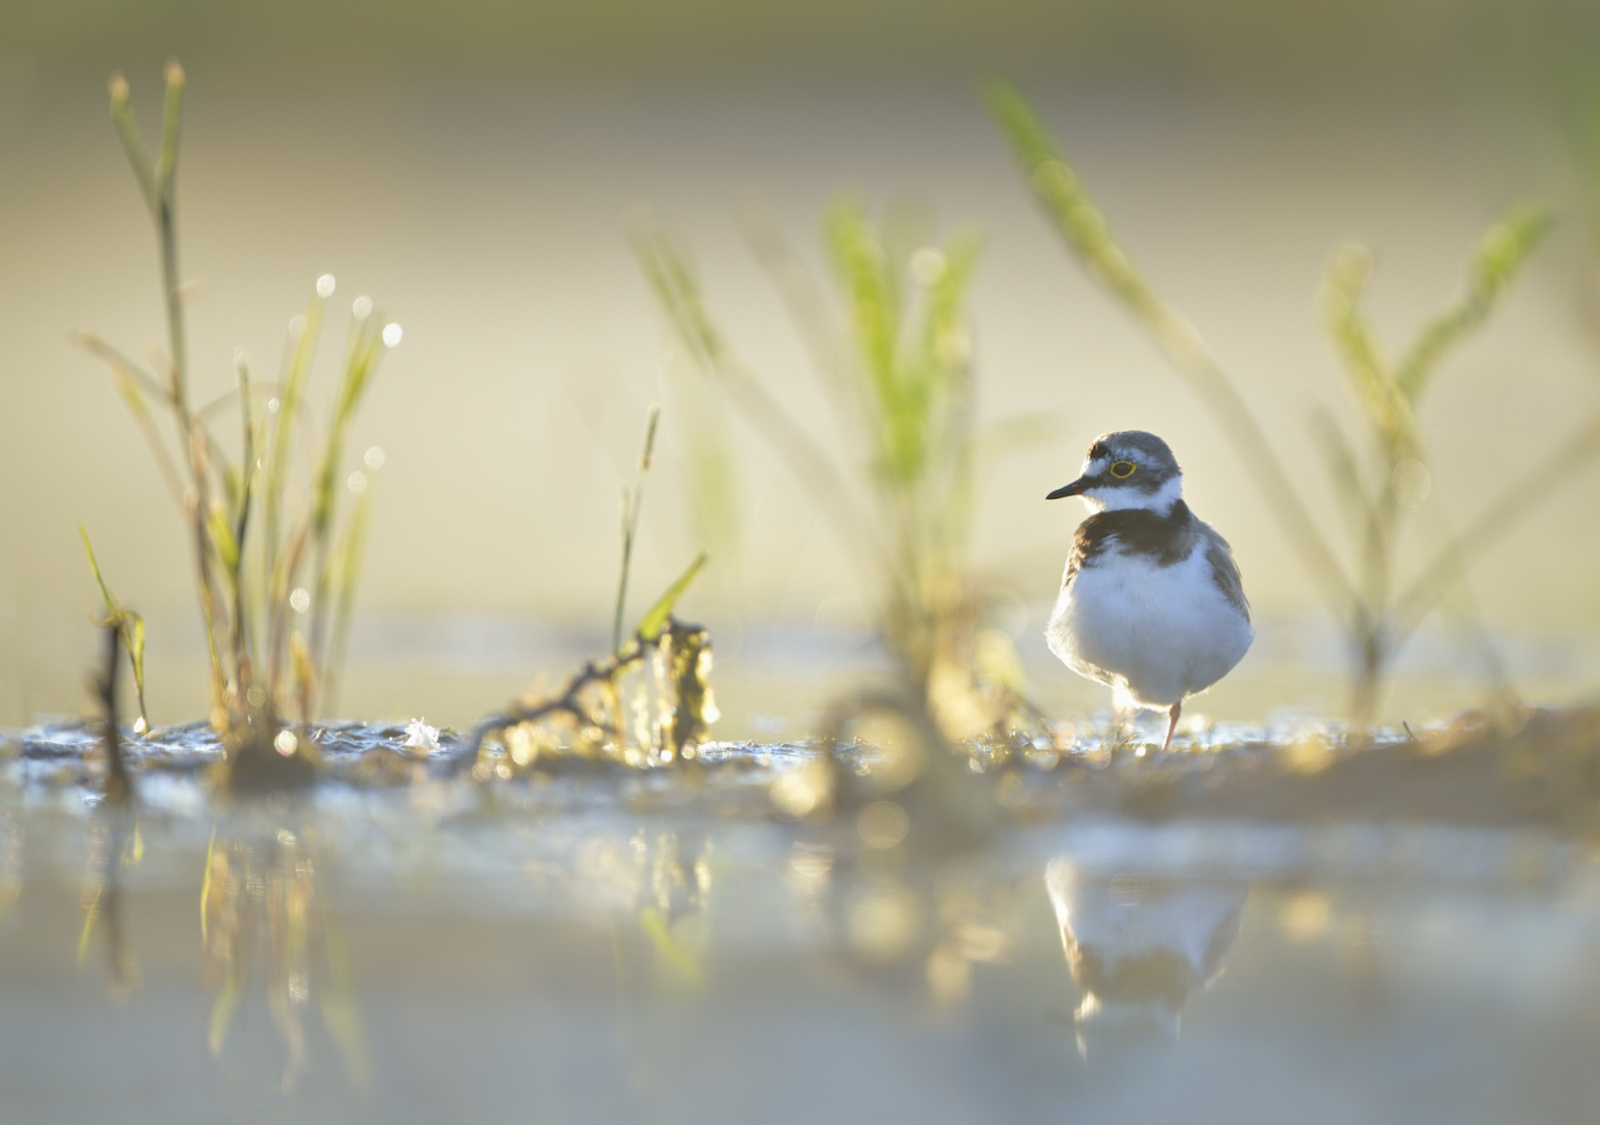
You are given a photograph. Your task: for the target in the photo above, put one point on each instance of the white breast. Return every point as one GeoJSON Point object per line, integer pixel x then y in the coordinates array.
{"type": "Point", "coordinates": [1160, 633]}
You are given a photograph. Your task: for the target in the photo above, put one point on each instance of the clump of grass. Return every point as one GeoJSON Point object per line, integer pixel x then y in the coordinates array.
{"type": "Point", "coordinates": [893, 352]}
{"type": "Point", "coordinates": [276, 567]}
{"type": "Point", "coordinates": [1381, 481]}
{"type": "Point", "coordinates": [648, 703]}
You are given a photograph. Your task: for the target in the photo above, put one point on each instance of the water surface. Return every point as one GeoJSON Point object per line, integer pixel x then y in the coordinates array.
{"type": "Point", "coordinates": [401, 945]}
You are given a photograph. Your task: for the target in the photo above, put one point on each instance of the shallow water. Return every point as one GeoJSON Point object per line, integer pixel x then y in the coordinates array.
{"type": "Point", "coordinates": [401, 945]}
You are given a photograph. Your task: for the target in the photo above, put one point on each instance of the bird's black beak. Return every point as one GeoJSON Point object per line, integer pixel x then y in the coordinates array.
{"type": "Point", "coordinates": [1076, 488]}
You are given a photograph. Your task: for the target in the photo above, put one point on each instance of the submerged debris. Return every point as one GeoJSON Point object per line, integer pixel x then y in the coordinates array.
{"type": "Point", "coordinates": [649, 704]}
{"type": "Point", "coordinates": [420, 736]}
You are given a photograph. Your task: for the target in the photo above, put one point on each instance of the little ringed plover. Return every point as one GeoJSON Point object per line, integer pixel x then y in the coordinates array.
{"type": "Point", "coordinates": [1151, 603]}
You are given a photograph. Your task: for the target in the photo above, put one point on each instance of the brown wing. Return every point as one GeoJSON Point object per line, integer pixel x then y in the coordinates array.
{"type": "Point", "coordinates": [1225, 572]}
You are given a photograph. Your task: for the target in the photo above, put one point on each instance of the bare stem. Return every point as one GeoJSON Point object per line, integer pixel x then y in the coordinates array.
{"type": "Point", "coordinates": [119, 785]}
{"type": "Point", "coordinates": [631, 503]}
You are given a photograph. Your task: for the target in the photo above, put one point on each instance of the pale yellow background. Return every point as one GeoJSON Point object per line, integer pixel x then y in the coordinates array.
{"type": "Point", "coordinates": [472, 168]}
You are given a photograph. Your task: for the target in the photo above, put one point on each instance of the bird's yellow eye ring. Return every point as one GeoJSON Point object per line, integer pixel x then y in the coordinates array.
{"type": "Point", "coordinates": [1122, 470]}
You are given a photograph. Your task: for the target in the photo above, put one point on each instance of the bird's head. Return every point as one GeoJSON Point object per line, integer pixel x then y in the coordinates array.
{"type": "Point", "coordinates": [1127, 469]}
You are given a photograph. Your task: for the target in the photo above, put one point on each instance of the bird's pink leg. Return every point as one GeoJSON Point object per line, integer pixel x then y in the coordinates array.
{"type": "Point", "coordinates": [1172, 724]}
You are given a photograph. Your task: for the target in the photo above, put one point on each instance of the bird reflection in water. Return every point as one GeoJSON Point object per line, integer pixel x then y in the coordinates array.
{"type": "Point", "coordinates": [1140, 946]}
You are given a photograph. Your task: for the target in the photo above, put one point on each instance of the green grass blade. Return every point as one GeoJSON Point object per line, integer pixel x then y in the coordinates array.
{"type": "Point", "coordinates": [171, 120]}
{"type": "Point", "coordinates": [133, 383]}
{"type": "Point", "coordinates": [346, 578]}
{"type": "Point", "coordinates": [222, 540]}
{"type": "Point", "coordinates": [362, 362]}
{"type": "Point", "coordinates": [112, 607]}
{"type": "Point", "coordinates": [130, 627]}
{"type": "Point", "coordinates": [132, 143]}
{"type": "Point", "coordinates": [863, 270]}
{"type": "Point", "coordinates": [1500, 255]}
{"type": "Point", "coordinates": [1383, 399]}
{"type": "Point", "coordinates": [297, 367]}
{"type": "Point", "coordinates": [654, 621]}
{"type": "Point", "coordinates": [1057, 186]}
{"type": "Point", "coordinates": [133, 638]}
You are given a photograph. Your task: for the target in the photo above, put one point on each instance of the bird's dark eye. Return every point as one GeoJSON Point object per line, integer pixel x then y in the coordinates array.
{"type": "Point", "coordinates": [1122, 470]}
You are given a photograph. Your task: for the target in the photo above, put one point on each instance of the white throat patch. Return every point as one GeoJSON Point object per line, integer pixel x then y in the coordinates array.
{"type": "Point", "coordinates": [1120, 498]}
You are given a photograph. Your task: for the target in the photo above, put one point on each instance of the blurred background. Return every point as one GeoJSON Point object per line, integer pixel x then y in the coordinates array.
{"type": "Point", "coordinates": [473, 166]}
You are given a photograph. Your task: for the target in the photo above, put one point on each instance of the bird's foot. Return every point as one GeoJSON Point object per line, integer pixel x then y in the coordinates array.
{"type": "Point", "coordinates": [1172, 724]}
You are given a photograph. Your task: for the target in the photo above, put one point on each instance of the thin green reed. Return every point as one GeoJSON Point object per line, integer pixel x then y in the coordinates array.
{"type": "Point", "coordinates": [1380, 481]}
{"type": "Point", "coordinates": [158, 184]}
{"type": "Point", "coordinates": [365, 348]}
{"type": "Point", "coordinates": [253, 523]}
{"type": "Point", "coordinates": [344, 573]}
{"type": "Point", "coordinates": [632, 502]}
{"type": "Point", "coordinates": [130, 631]}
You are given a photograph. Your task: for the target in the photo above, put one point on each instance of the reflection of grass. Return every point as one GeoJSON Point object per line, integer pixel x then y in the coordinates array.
{"type": "Point", "coordinates": [1381, 484]}
{"type": "Point", "coordinates": [893, 353]}
{"type": "Point", "coordinates": [116, 845]}
{"type": "Point", "coordinates": [262, 917]}
{"type": "Point", "coordinates": [276, 569]}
